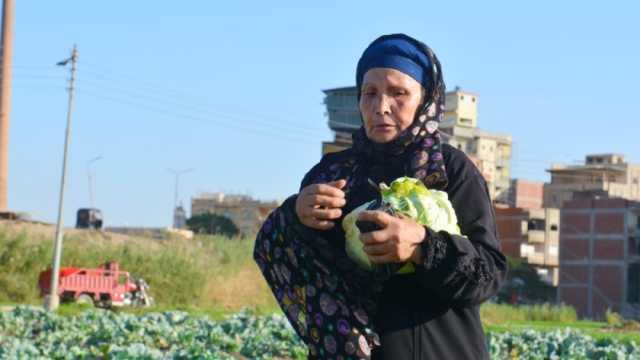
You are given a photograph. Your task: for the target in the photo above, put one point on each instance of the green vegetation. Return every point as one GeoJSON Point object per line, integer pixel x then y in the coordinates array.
{"type": "Point", "coordinates": [28, 332]}
{"type": "Point", "coordinates": [32, 333]}
{"type": "Point", "coordinates": [209, 272]}
{"type": "Point", "coordinates": [212, 277]}
{"type": "Point", "coordinates": [212, 224]}
{"type": "Point", "coordinates": [524, 285]}
{"type": "Point", "coordinates": [502, 313]}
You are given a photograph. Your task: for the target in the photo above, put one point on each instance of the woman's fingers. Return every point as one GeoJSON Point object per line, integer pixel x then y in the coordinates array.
{"type": "Point", "coordinates": [377, 249]}
{"type": "Point", "coordinates": [374, 237]}
{"type": "Point", "coordinates": [325, 189]}
{"type": "Point", "coordinates": [326, 201]}
{"type": "Point", "coordinates": [339, 183]}
{"type": "Point", "coordinates": [382, 259]}
{"type": "Point", "coordinates": [320, 224]}
{"type": "Point", "coordinates": [323, 214]}
{"type": "Point", "coordinates": [318, 204]}
{"type": "Point", "coordinates": [379, 217]}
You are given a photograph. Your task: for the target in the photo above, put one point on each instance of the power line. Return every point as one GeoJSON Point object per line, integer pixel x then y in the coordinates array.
{"type": "Point", "coordinates": [171, 114]}
{"type": "Point", "coordinates": [163, 99]}
{"type": "Point", "coordinates": [234, 122]}
{"type": "Point", "coordinates": [164, 90]}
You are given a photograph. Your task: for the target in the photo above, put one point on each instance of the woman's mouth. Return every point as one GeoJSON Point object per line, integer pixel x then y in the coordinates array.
{"type": "Point", "coordinates": [383, 128]}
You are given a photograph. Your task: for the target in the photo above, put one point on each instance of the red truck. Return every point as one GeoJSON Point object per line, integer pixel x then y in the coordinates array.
{"type": "Point", "coordinates": [103, 287]}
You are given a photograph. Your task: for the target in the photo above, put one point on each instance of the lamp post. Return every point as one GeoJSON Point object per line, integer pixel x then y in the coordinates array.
{"type": "Point", "coordinates": [177, 173]}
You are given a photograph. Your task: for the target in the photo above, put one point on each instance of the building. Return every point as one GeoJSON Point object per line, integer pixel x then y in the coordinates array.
{"type": "Point", "coordinates": [531, 234]}
{"type": "Point", "coordinates": [344, 117]}
{"type": "Point", "coordinates": [490, 152]}
{"type": "Point", "coordinates": [602, 175]}
{"type": "Point", "coordinates": [600, 256]}
{"type": "Point", "coordinates": [525, 194]}
{"type": "Point", "coordinates": [246, 213]}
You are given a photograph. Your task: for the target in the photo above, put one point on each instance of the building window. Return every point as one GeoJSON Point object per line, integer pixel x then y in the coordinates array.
{"type": "Point", "coordinates": [535, 224]}
{"type": "Point", "coordinates": [554, 227]}
{"type": "Point", "coordinates": [461, 97]}
{"type": "Point", "coordinates": [473, 99]}
{"type": "Point", "coordinates": [634, 245]}
{"type": "Point", "coordinates": [633, 283]}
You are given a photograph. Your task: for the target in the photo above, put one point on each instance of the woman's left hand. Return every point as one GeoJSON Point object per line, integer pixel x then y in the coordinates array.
{"type": "Point", "coordinates": [398, 241]}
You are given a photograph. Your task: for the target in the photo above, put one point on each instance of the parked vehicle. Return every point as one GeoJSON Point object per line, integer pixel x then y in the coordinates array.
{"type": "Point", "coordinates": [105, 286]}
{"type": "Point", "coordinates": [89, 218]}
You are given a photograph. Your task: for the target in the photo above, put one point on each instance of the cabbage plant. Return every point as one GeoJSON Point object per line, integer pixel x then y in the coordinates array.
{"type": "Point", "coordinates": [408, 197]}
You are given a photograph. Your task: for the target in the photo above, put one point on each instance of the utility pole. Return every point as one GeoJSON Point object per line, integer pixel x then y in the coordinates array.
{"type": "Point", "coordinates": [91, 180]}
{"type": "Point", "coordinates": [53, 300]}
{"type": "Point", "coordinates": [177, 173]}
{"type": "Point", "coordinates": [6, 52]}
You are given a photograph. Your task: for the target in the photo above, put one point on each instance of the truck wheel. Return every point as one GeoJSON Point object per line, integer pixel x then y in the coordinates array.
{"type": "Point", "coordinates": [85, 299]}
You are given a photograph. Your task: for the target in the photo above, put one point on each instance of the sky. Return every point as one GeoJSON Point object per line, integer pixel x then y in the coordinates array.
{"type": "Point", "coordinates": [233, 90]}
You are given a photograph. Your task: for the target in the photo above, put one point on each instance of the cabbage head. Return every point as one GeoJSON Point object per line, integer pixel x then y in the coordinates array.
{"type": "Point", "coordinates": [410, 197]}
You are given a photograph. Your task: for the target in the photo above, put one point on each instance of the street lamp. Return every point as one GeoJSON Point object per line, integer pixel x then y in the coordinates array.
{"type": "Point", "coordinates": [177, 173]}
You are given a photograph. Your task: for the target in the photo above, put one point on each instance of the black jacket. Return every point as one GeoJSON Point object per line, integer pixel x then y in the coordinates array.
{"type": "Point", "coordinates": [434, 312]}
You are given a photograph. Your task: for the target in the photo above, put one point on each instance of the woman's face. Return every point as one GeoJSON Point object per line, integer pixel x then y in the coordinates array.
{"type": "Point", "coordinates": [388, 103]}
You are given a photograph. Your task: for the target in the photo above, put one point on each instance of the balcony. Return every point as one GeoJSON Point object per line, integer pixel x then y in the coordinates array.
{"type": "Point", "coordinates": [536, 236]}
{"type": "Point", "coordinates": [536, 258]}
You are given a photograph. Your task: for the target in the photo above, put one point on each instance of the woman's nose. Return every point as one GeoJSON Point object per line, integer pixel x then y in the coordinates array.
{"type": "Point", "coordinates": [382, 106]}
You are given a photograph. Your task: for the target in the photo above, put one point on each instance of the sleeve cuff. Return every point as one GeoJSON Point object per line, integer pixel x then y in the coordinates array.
{"type": "Point", "coordinates": [435, 248]}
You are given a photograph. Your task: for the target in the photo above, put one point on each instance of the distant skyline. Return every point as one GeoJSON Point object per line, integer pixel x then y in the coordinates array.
{"type": "Point", "coordinates": [234, 91]}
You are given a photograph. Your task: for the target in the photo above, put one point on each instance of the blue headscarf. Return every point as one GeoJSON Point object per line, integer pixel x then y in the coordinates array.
{"type": "Point", "coordinates": [399, 52]}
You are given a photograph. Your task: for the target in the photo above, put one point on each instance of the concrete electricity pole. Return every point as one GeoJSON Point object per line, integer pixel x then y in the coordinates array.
{"type": "Point", "coordinates": [6, 50]}
{"type": "Point", "coordinates": [53, 300]}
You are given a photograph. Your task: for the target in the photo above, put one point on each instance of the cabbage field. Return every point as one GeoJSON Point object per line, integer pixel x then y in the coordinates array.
{"type": "Point", "coordinates": [31, 333]}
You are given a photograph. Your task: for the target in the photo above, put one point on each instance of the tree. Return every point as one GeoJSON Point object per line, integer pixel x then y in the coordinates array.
{"type": "Point", "coordinates": [524, 285]}
{"type": "Point", "coordinates": [209, 223]}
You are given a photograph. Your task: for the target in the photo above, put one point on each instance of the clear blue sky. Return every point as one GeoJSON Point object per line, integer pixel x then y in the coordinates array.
{"type": "Point", "coordinates": [233, 89]}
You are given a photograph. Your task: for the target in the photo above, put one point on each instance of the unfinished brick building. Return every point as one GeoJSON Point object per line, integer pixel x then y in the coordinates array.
{"type": "Point", "coordinates": [600, 256]}
{"type": "Point", "coordinates": [532, 235]}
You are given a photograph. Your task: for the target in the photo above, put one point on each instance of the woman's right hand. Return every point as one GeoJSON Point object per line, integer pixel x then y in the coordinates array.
{"type": "Point", "coordinates": [319, 204]}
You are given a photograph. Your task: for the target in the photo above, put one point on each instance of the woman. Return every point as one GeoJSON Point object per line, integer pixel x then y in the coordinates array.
{"type": "Point", "coordinates": [341, 311]}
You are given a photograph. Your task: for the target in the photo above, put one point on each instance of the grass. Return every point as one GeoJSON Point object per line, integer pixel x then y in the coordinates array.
{"type": "Point", "coordinates": [597, 330]}
{"type": "Point", "coordinates": [216, 276]}
{"type": "Point", "coordinates": [208, 272]}
{"type": "Point", "coordinates": [501, 313]}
